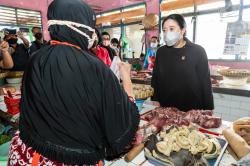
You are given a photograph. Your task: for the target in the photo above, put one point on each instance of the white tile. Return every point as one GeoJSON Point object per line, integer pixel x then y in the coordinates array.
{"type": "Point", "coordinates": [216, 96]}
{"type": "Point", "coordinates": [245, 105]}
{"type": "Point", "coordinates": [222, 109]}
{"type": "Point", "coordinates": [235, 104]}
{"type": "Point", "coordinates": [147, 164]}
{"type": "Point", "coordinates": [216, 102]}
{"type": "Point", "coordinates": [225, 103]}
{"type": "Point", "coordinates": [239, 112]}
{"type": "Point", "coordinates": [225, 97]}
{"type": "Point", "coordinates": [139, 159]}
{"type": "Point", "coordinates": [121, 162]}
{"type": "Point", "coordinates": [229, 117]}
{"type": "Point", "coordinates": [241, 98]}
{"type": "Point", "coordinates": [108, 163]}
{"type": "Point", "coordinates": [217, 114]}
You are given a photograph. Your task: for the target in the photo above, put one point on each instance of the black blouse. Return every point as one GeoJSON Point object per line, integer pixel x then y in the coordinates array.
{"type": "Point", "coordinates": [181, 78]}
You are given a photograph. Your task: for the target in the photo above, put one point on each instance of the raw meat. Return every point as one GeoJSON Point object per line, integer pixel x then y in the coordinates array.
{"type": "Point", "coordinates": [172, 116]}
{"type": "Point", "coordinates": [161, 118]}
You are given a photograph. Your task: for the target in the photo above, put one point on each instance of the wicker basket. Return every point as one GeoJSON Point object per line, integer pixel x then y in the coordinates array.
{"type": "Point", "coordinates": [14, 74]}
{"type": "Point", "coordinates": [235, 73]}
{"type": "Point", "coordinates": [3, 75]}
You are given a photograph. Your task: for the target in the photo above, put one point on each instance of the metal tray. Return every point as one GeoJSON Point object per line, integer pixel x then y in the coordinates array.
{"type": "Point", "coordinates": [212, 162]}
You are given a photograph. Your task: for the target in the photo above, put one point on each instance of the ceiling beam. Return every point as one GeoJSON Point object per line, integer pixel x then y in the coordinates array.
{"type": "Point", "coordinates": [120, 16]}
{"type": "Point", "coordinates": [179, 4]}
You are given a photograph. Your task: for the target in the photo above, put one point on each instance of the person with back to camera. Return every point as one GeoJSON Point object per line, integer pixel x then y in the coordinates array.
{"type": "Point", "coordinates": [73, 110]}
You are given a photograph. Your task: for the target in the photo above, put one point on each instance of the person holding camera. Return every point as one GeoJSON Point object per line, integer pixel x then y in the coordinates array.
{"type": "Point", "coordinates": [19, 53]}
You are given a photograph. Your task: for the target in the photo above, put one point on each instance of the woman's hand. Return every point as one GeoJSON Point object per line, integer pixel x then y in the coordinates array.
{"type": "Point", "coordinates": [125, 70]}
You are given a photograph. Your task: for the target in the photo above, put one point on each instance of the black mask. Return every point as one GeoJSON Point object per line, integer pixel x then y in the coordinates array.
{"type": "Point", "coordinates": [38, 36]}
{"type": "Point", "coordinates": [12, 41]}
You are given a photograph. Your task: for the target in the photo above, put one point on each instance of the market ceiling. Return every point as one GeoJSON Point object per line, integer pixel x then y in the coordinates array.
{"type": "Point", "coordinates": [105, 5]}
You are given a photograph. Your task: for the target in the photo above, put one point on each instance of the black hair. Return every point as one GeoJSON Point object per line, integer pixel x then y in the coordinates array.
{"type": "Point", "coordinates": [5, 37]}
{"type": "Point", "coordinates": [105, 33]}
{"type": "Point", "coordinates": [154, 37]}
{"type": "Point", "coordinates": [114, 40]}
{"type": "Point", "coordinates": [178, 18]}
{"type": "Point", "coordinates": [35, 28]}
{"type": "Point", "coordinates": [98, 36]}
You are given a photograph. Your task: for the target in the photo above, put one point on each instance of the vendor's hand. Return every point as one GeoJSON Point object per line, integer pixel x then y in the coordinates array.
{"type": "Point", "coordinates": [4, 46]}
{"type": "Point", "coordinates": [125, 70]}
{"type": "Point", "coordinates": [19, 34]}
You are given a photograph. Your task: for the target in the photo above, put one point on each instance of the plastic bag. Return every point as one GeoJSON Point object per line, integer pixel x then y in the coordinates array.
{"type": "Point", "coordinates": [115, 66]}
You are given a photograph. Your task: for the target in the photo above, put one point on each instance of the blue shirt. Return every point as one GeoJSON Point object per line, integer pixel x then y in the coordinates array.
{"type": "Point", "coordinates": [150, 53]}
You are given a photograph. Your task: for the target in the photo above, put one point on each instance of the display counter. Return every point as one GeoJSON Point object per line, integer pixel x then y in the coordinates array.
{"type": "Point", "coordinates": [228, 157]}
{"type": "Point", "coordinates": [233, 90]}
{"type": "Point", "coordinates": [222, 89]}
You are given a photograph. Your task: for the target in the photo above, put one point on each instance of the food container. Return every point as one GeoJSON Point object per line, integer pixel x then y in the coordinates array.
{"type": "Point", "coordinates": [235, 77]}
{"type": "Point", "coordinates": [211, 162]}
{"type": "Point", "coordinates": [214, 69]}
{"type": "Point", "coordinates": [12, 104]}
{"type": "Point", "coordinates": [234, 81]}
{"type": "Point", "coordinates": [15, 74]}
{"type": "Point", "coordinates": [14, 80]}
{"type": "Point", "coordinates": [239, 73]}
{"type": "Point", "coordinates": [142, 91]}
{"type": "Point", "coordinates": [139, 104]}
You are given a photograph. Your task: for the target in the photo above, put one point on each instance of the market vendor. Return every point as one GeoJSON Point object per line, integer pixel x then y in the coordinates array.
{"type": "Point", "coordinates": [181, 75]}
{"type": "Point", "coordinates": [19, 52]}
{"type": "Point", "coordinates": [73, 108]}
{"type": "Point", "coordinates": [151, 54]}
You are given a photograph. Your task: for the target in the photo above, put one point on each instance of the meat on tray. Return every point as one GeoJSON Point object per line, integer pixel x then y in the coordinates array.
{"type": "Point", "coordinates": [160, 117]}
{"type": "Point", "coordinates": [138, 75]}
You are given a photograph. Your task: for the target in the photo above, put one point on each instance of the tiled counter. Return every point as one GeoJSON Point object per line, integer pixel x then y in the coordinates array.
{"type": "Point", "coordinates": [231, 107]}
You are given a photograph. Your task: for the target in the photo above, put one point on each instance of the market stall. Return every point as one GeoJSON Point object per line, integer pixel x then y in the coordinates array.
{"type": "Point", "coordinates": [173, 46]}
{"type": "Point", "coordinates": [226, 155]}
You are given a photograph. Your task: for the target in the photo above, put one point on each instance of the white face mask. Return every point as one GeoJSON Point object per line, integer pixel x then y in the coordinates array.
{"type": "Point", "coordinates": [171, 38]}
{"type": "Point", "coordinates": [74, 26]}
{"type": "Point", "coordinates": [153, 45]}
{"type": "Point", "coordinates": [106, 42]}
{"type": "Point", "coordinates": [92, 41]}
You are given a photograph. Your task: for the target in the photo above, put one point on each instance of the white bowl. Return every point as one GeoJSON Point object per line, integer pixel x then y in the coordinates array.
{"type": "Point", "coordinates": [14, 80]}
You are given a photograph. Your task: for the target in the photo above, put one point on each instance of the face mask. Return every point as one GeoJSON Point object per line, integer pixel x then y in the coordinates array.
{"type": "Point", "coordinates": [74, 26]}
{"type": "Point", "coordinates": [38, 36]}
{"type": "Point", "coordinates": [106, 42]}
{"type": "Point", "coordinates": [93, 42]}
{"type": "Point", "coordinates": [12, 41]}
{"type": "Point", "coordinates": [153, 45]}
{"type": "Point", "coordinates": [171, 38]}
